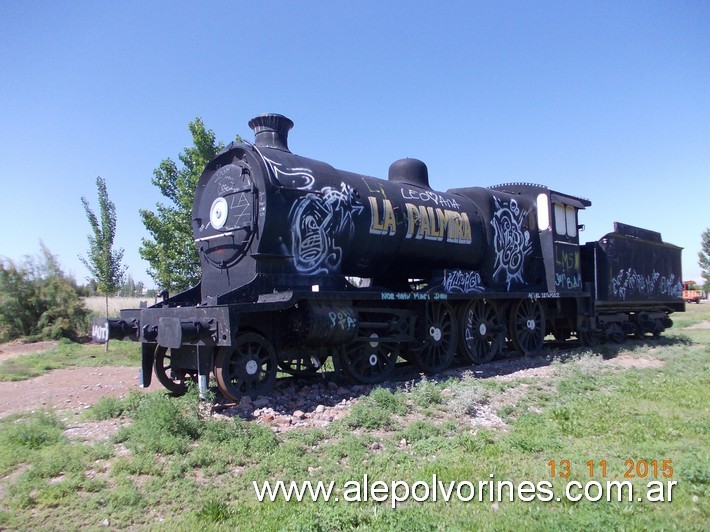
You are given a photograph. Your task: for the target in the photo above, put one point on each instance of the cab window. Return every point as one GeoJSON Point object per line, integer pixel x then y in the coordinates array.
{"type": "Point", "coordinates": [571, 218]}
{"type": "Point", "coordinates": [560, 219]}
{"type": "Point", "coordinates": [565, 220]}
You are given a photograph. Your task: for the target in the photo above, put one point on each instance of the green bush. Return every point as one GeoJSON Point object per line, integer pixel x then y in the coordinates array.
{"type": "Point", "coordinates": [427, 393]}
{"type": "Point", "coordinates": [38, 301]}
{"type": "Point", "coordinates": [40, 431]}
{"type": "Point", "coordinates": [107, 408]}
{"type": "Point", "coordinates": [162, 424]}
{"type": "Point", "coordinates": [374, 411]}
{"type": "Point", "coordinates": [214, 511]}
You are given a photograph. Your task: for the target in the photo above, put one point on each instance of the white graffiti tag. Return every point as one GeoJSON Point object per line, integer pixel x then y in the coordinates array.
{"type": "Point", "coordinates": [321, 224]}
{"type": "Point", "coordinates": [300, 178]}
{"type": "Point", "coordinates": [511, 240]}
{"type": "Point", "coordinates": [462, 282]}
{"type": "Point", "coordinates": [629, 284]}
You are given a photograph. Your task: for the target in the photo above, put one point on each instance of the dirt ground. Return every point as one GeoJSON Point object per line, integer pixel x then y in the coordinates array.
{"type": "Point", "coordinates": [16, 349]}
{"type": "Point", "coordinates": [69, 390]}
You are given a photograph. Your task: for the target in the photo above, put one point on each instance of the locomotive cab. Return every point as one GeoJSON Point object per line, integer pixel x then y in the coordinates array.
{"type": "Point", "coordinates": [565, 232]}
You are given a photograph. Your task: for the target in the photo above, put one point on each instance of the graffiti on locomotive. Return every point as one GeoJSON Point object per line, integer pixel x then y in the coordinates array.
{"type": "Point", "coordinates": [433, 218]}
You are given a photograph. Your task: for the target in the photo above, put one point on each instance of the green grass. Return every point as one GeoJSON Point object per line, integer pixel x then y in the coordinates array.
{"type": "Point", "coordinates": [176, 466]}
{"type": "Point", "coordinates": [70, 354]}
{"type": "Point", "coordinates": [375, 411]}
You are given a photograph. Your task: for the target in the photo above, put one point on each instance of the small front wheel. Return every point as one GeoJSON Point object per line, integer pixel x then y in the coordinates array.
{"type": "Point", "coordinates": [174, 379]}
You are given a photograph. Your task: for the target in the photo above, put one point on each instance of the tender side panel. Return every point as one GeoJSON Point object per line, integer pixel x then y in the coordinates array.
{"type": "Point", "coordinates": [631, 269]}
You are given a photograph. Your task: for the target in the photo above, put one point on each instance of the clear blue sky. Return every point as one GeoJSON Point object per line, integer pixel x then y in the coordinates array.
{"type": "Point", "coordinates": [606, 100]}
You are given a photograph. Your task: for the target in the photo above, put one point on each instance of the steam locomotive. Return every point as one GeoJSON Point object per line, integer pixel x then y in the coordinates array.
{"type": "Point", "coordinates": [302, 263]}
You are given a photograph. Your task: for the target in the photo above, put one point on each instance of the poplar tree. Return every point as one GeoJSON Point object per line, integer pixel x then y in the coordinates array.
{"type": "Point", "coordinates": [170, 252]}
{"type": "Point", "coordinates": [704, 257]}
{"type": "Point", "coordinates": [103, 262]}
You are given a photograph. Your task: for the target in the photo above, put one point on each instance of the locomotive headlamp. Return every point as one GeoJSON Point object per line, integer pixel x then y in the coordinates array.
{"type": "Point", "coordinates": [218, 213]}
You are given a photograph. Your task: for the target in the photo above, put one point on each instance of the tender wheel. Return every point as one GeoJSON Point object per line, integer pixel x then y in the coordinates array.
{"type": "Point", "coordinates": [437, 346]}
{"type": "Point", "coordinates": [639, 332]}
{"type": "Point", "coordinates": [246, 368]}
{"type": "Point", "coordinates": [658, 329]}
{"type": "Point", "coordinates": [174, 379]}
{"type": "Point", "coordinates": [615, 333]}
{"type": "Point", "coordinates": [527, 326]}
{"type": "Point", "coordinates": [588, 335]}
{"type": "Point", "coordinates": [588, 338]}
{"type": "Point", "coordinates": [369, 362]}
{"type": "Point", "coordinates": [481, 332]}
{"type": "Point", "coordinates": [642, 326]}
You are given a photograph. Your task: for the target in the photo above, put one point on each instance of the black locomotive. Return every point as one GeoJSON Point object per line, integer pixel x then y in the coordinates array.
{"type": "Point", "coordinates": [302, 262]}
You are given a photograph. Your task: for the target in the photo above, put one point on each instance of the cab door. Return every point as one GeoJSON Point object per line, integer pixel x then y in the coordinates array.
{"type": "Point", "coordinates": [568, 273]}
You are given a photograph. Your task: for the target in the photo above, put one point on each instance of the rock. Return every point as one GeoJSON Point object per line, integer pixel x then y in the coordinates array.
{"type": "Point", "coordinates": [403, 442]}
{"type": "Point", "coordinates": [298, 414]}
{"type": "Point", "coordinates": [245, 401]}
{"type": "Point", "coordinates": [106, 522]}
{"type": "Point", "coordinates": [376, 446]}
{"type": "Point", "coordinates": [261, 402]}
{"type": "Point", "coordinates": [320, 409]}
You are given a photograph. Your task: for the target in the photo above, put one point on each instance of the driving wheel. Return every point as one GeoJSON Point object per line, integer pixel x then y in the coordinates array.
{"type": "Point", "coordinates": [248, 367]}
{"type": "Point", "coordinates": [527, 326]}
{"type": "Point", "coordinates": [437, 339]}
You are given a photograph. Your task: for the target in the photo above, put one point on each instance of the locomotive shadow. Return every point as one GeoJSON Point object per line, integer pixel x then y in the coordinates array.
{"type": "Point", "coordinates": [328, 389]}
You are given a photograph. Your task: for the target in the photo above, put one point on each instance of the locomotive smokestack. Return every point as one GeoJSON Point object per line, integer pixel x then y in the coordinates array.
{"type": "Point", "coordinates": [271, 131]}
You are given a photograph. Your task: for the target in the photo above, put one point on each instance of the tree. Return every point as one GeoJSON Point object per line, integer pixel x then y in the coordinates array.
{"type": "Point", "coordinates": [171, 252]}
{"type": "Point", "coordinates": [37, 300]}
{"type": "Point", "coordinates": [704, 256]}
{"type": "Point", "coordinates": [103, 262]}
{"type": "Point", "coordinates": [131, 288]}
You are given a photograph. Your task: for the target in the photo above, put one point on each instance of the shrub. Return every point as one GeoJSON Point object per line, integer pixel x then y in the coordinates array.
{"type": "Point", "coordinates": [374, 411]}
{"type": "Point", "coordinates": [37, 300]}
{"type": "Point", "coordinates": [388, 401]}
{"type": "Point", "coordinates": [468, 397]}
{"type": "Point", "coordinates": [426, 393]}
{"type": "Point", "coordinates": [162, 424]}
{"type": "Point", "coordinates": [214, 511]}
{"type": "Point", "coordinates": [40, 431]}
{"type": "Point", "coordinates": [421, 430]}
{"type": "Point", "coordinates": [107, 408]}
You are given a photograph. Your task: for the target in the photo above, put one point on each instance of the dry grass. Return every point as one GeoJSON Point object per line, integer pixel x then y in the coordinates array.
{"type": "Point", "coordinates": [97, 304]}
